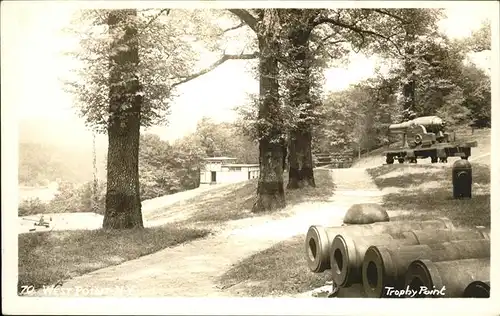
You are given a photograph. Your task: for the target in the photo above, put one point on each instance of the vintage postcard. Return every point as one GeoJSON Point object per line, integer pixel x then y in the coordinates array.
{"type": "Point", "coordinates": [258, 157]}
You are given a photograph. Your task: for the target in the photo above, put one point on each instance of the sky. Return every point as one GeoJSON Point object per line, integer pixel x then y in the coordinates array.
{"type": "Point", "coordinates": [32, 46]}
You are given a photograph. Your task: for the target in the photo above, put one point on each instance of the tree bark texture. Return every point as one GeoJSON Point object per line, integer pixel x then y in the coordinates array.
{"type": "Point", "coordinates": [270, 190]}
{"type": "Point", "coordinates": [300, 139]}
{"type": "Point", "coordinates": [123, 205]}
{"type": "Point", "coordinates": [409, 88]}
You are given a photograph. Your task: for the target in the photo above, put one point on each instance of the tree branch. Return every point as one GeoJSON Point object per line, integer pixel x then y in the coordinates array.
{"type": "Point", "coordinates": [154, 18]}
{"type": "Point", "coordinates": [312, 18]}
{"type": "Point", "coordinates": [357, 30]}
{"type": "Point", "coordinates": [394, 16]}
{"type": "Point", "coordinates": [246, 17]}
{"type": "Point", "coordinates": [219, 62]}
{"type": "Point", "coordinates": [360, 46]}
{"type": "Point", "coordinates": [260, 14]}
{"type": "Point", "coordinates": [233, 28]}
{"type": "Point", "coordinates": [322, 43]}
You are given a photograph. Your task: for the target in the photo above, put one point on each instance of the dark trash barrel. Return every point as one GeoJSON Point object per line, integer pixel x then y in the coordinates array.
{"type": "Point", "coordinates": [462, 179]}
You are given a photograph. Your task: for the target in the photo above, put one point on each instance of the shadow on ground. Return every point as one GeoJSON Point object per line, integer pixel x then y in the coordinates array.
{"type": "Point", "coordinates": [279, 270]}
{"type": "Point", "coordinates": [428, 194]}
{"type": "Point", "coordinates": [49, 257]}
{"type": "Point", "coordinates": [237, 204]}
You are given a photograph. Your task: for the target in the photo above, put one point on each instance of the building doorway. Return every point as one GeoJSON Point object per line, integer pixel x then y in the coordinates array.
{"type": "Point", "coordinates": [214, 176]}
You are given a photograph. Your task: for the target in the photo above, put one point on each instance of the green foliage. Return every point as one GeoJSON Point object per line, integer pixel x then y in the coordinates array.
{"type": "Point", "coordinates": [334, 33]}
{"type": "Point", "coordinates": [78, 198]}
{"type": "Point", "coordinates": [436, 67]}
{"type": "Point", "coordinates": [402, 28]}
{"type": "Point", "coordinates": [163, 168]}
{"type": "Point", "coordinates": [373, 31]}
{"type": "Point", "coordinates": [446, 84]}
{"type": "Point", "coordinates": [70, 198]}
{"type": "Point", "coordinates": [250, 125]}
{"type": "Point", "coordinates": [452, 109]}
{"type": "Point", "coordinates": [248, 116]}
{"type": "Point", "coordinates": [480, 40]}
{"type": "Point", "coordinates": [167, 44]}
{"type": "Point", "coordinates": [166, 169]}
{"type": "Point", "coordinates": [476, 87]}
{"type": "Point", "coordinates": [438, 91]}
{"type": "Point", "coordinates": [32, 206]}
{"type": "Point", "coordinates": [169, 168]}
{"type": "Point", "coordinates": [225, 139]}
{"type": "Point", "coordinates": [357, 118]}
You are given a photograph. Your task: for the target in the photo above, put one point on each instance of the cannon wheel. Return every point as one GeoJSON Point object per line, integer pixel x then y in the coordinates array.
{"type": "Point", "coordinates": [434, 159]}
{"type": "Point", "coordinates": [401, 160]}
{"type": "Point", "coordinates": [443, 160]}
{"type": "Point", "coordinates": [413, 160]}
{"type": "Point", "coordinates": [389, 160]}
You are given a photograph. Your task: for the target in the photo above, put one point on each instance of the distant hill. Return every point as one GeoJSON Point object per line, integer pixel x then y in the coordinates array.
{"type": "Point", "coordinates": [53, 149]}
{"type": "Point", "coordinates": [42, 163]}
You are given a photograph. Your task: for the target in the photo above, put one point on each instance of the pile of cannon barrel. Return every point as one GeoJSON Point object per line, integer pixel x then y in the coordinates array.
{"type": "Point", "coordinates": [403, 258]}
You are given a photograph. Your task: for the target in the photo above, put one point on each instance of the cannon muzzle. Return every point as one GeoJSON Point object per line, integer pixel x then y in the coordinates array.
{"type": "Point", "coordinates": [431, 123]}
{"type": "Point", "coordinates": [399, 128]}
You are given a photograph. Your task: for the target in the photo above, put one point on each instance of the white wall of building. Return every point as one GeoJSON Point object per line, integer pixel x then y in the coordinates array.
{"type": "Point", "coordinates": [228, 174]}
{"type": "Point", "coordinates": [214, 165]}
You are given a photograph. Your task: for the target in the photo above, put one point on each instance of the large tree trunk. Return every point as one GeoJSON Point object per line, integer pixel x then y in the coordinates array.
{"type": "Point", "coordinates": [300, 159]}
{"type": "Point", "coordinates": [409, 89]}
{"type": "Point", "coordinates": [299, 86]}
{"type": "Point", "coordinates": [270, 191]}
{"type": "Point", "coordinates": [123, 205]}
{"type": "Point", "coordinates": [409, 65]}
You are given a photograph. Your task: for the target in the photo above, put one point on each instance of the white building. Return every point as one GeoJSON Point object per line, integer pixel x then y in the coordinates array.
{"type": "Point", "coordinates": [223, 170]}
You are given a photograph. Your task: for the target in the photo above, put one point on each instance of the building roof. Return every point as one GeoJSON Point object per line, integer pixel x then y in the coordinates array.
{"type": "Point", "coordinates": [241, 165]}
{"type": "Point", "coordinates": [220, 158]}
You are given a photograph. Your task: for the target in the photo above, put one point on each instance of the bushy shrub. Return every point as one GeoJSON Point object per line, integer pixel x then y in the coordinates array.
{"type": "Point", "coordinates": [73, 198]}
{"type": "Point", "coordinates": [163, 181]}
{"type": "Point", "coordinates": [32, 206]}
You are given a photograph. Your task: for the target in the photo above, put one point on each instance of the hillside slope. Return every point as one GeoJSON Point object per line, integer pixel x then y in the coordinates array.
{"type": "Point", "coordinates": [51, 149]}
{"type": "Point", "coordinates": [41, 163]}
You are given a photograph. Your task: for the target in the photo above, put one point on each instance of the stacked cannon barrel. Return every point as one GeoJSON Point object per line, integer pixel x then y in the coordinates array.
{"type": "Point", "coordinates": [403, 258]}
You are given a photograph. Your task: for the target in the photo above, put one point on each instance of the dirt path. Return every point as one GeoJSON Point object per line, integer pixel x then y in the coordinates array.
{"type": "Point", "coordinates": [192, 269]}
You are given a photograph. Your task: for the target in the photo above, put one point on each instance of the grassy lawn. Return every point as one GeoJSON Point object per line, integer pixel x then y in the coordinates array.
{"type": "Point", "coordinates": [236, 201]}
{"type": "Point", "coordinates": [426, 201]}
{"type": "Point", "coordinates": [48, 257]}
{"type": "Point", "coordinates": [281, 269]}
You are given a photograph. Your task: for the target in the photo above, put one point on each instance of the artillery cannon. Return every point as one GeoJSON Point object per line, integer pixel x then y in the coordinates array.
{"type": "Point", "coordinates": [422, 131]}
{"type": "Point", "coordinates": [425, 137]}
